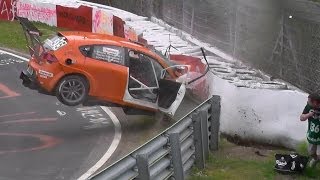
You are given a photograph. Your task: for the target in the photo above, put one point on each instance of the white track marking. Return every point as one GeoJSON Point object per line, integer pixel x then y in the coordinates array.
{"type": "Point", "coordinates": [14, 55]}
{"type": "Point", "coordinates": [115, 141]}
{"type": "Point", "coordinates": [112, 147]}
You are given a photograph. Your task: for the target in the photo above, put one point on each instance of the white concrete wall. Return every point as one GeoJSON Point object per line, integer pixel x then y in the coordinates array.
{"type": "Point", "coordinates": [261, 115]}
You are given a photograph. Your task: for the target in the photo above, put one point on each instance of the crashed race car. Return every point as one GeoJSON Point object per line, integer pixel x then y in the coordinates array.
{"type": "Point", "coordinates": [77, 65]}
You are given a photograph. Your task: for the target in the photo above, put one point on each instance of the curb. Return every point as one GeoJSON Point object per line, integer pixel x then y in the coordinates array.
{"type": "Point", "coordinates": [19, 53]}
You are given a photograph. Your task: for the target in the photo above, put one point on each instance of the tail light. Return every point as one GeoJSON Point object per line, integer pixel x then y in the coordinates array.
{"type": "Point", "coordinates": [50, 58]}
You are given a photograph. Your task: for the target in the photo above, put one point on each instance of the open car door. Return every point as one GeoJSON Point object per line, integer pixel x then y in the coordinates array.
{"type": "Point", "coordinates": [151, 86]}
{"type": "Point", "coordinates": [171, 93]}
{"type": "Point", "coordinates": [32, 35]}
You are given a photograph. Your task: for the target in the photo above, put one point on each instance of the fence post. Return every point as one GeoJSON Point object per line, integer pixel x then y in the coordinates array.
{"type": "Point", "coordinates": [183, 16]}
{"type": "Point", "coordinates": [205, 134]}
{"type": "Point", "coordinates": [143, 167]}
{"type": "Point", "coordinates": [215, 122]}
{"type": "Point", "coordinates": [198, 143]}
{"type": "Point", "coordinates": [151, 13]}
{"type": "Point", "coordinates": [176, 156]}
{"type": "Point", "coordinates": [192, 21]}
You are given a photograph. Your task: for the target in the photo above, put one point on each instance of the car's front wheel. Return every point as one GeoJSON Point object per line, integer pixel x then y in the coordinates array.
{"type": "Point", "coordinates": [72, 90]}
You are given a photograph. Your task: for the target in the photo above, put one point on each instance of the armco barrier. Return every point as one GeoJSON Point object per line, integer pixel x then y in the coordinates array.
{"type": "Point", "coordinates": [175, 151]}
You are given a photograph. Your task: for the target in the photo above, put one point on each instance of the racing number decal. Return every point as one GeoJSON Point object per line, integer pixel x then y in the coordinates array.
{"type": "Point", "coordinates": [7, 91]}
{"type": "Point", "coordinates": [314, 128]}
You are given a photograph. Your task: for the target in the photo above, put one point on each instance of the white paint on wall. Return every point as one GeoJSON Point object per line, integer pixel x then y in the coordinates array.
{"type": "Point", "coordinates": [37, 11]}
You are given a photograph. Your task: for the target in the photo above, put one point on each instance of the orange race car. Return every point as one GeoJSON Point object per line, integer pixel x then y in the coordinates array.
{"type": "Point", "coordinates": [77, 65]}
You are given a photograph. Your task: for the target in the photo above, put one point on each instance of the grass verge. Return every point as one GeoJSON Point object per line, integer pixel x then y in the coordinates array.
{"type": "Point", "coordinates": [237, 162]}
{"type": "Point", "coordinates": [12, 36]}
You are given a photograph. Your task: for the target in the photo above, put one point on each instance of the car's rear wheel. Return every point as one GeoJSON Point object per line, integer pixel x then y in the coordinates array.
{"type": "Point", "coordinates": [72, 90]}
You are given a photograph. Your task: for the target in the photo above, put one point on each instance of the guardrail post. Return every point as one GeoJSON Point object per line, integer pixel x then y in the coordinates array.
{"type": "Point", "coordinates": [205, 134]}
{"type": "Point", "coordinates": [176, 156]}
{"type": "Point", "coordinates": [143, 167]}
{"type": "Point", "coordinates": [215, 122]}
{"type": "Point", "coordinates": [198, 143]}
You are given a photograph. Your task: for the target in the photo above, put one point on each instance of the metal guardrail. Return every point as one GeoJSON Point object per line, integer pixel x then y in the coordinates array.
{"type": "Point", "coordinates": [171, 154]}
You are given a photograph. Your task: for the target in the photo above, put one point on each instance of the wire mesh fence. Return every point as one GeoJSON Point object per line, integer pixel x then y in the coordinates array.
{"type": "Point", "coordinates": [281, 37]}
{"type": "Point", "coordinates": [301, 50]}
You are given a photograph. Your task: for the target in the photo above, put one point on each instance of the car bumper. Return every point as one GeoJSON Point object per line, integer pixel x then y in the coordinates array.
{"type": "Point", "coordinates": [28, 79]}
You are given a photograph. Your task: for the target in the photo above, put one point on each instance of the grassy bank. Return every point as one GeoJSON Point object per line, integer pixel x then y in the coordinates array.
{"type": "Point", "coordinates": [238, 162]}
{"type": "Point", "coordinates": [11, 34]}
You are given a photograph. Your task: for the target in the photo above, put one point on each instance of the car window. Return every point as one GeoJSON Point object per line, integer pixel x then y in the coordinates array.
{"type": "Point", "coordinates": [141, 70]}
{"type": "Point", "coordinates": [157, 67]}
{"type": "Point", "coordinates": [108, 53]}
{"type": "Point", "coordinates": [145, 73]}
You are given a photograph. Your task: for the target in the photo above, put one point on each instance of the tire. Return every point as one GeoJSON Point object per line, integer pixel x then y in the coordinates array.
{"type": "Point", "coordinates": [72, 90]}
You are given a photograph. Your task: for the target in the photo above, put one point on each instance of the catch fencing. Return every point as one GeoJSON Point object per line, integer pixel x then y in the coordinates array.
{"type": "Point", "coordinates": [280, 37]}
{"type": "Point", "coordinates": [172, 153]}
{"type": "Point", "coordinates": [276, 36]}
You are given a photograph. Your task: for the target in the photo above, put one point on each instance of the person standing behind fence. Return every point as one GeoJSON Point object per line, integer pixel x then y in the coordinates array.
{"type": "Point", "coordinates": [311, 113]}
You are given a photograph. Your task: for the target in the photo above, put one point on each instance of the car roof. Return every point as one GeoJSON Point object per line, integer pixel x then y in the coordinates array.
{"type": "Point", "coordinates": [88, 38]}
{"type": "Point", "coordinates": [95, 38]}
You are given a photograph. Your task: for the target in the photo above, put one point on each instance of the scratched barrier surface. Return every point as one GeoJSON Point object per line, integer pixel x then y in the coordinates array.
{"type": "Point", "coordinates": [172, 153]}
{"type": "Point", "coordinates": [75, 18]}
{"type": "Point", "coordinates": [81, 17]}
{"type": "Point", "coordinates": [37, 11]}
{"type": "Point", "coordinates": [7, 9]}
{"type": "Point", "coordinates": [102, 21]}
{"type": "Point", "coordinates": [72, 16]}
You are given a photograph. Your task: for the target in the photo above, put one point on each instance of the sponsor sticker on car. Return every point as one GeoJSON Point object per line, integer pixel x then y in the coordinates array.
{"type": "Point", "coordinates": [55, 43]}
{"type": "Point", "coordinates": [45, 74]}
{"type": "Point", "coordinates": [108, 54]}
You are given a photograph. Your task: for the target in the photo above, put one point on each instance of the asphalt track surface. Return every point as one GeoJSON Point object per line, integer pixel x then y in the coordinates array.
{"type": "Point", "coordinates": [40, 138]}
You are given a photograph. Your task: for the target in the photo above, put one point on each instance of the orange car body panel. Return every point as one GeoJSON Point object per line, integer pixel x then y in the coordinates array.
{"type": "Point", "coordinates": [48, 83]}
{"type": "Point", "coordinates": [108, 81]}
